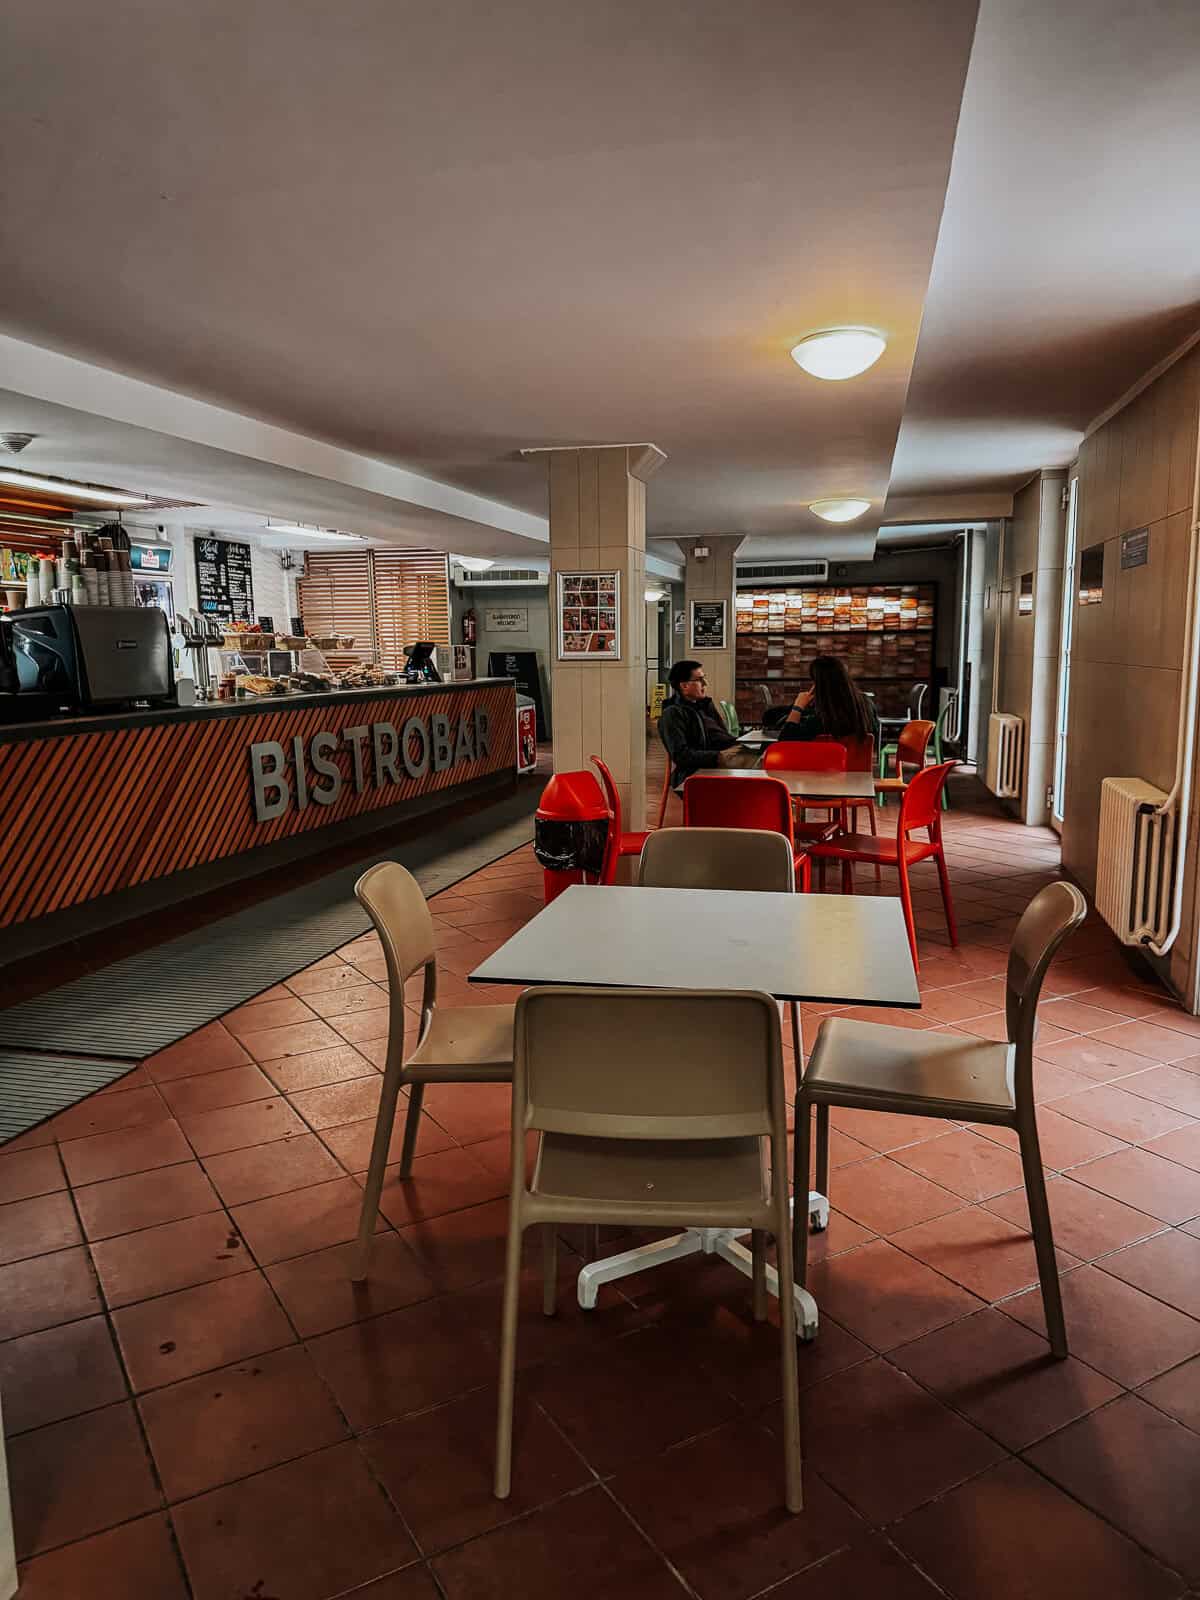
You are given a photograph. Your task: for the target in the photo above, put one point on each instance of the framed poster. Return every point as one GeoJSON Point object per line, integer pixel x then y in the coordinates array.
{"type": "Point", "coordinates": [223, 582]}
{"type": "Point", "coordinates": [708, 625]}
{"type": "Point", "coordinates": [589, 616]}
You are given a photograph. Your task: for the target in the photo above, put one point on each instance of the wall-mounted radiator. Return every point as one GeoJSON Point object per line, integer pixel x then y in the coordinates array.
{"type": "Point", "coordinates": [1006, 741]}
{"type": "Point", "coordinates": [1135, 860]}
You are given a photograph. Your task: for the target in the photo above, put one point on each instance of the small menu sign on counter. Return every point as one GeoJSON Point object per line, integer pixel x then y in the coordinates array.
{"type": "Point", "coordinates": [223, 581]}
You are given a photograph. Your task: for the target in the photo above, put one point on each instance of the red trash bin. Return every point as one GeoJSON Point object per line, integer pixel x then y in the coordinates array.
{"type": "Point", "coordinates": [570, 831]}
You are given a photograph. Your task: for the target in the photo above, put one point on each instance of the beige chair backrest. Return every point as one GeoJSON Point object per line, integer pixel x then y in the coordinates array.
{"type": "Point", "coordinates": [396, 905]}
{"type": "Point", "coordinates": [1052, 914]}
{"type": "Point", "coordinates": [664, 1064]}
{"type": "Point", "coordinates": [717, 858]}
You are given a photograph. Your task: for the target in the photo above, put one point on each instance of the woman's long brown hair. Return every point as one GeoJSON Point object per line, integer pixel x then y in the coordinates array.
{"type": "Point", "coordinates": [841, 705]}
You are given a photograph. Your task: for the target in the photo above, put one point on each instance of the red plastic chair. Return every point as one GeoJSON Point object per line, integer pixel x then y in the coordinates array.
{"type": "Point", "coordinates": [920, 807]}
{"type": "Point", "coordinates": [619, 844]}
{"type": "Point", "coordinates": [762, 803]}
{"type": "Point", "coordinates": [810, 755]}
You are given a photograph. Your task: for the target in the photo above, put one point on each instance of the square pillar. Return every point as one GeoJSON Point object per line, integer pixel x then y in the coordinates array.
{"type": "Point", "coordinates": [598, 524]}
{"type": "Point", "coordinates": [711, 577]}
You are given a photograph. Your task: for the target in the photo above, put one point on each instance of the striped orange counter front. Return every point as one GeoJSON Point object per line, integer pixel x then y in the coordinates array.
{"type": "Point", "coordinates": [95, 806]}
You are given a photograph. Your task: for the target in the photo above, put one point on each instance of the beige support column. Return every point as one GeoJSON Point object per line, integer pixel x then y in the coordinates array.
{"type": "Point", "coordinates": [711, 577]}
{"type": "Point", "coordinates": [598, 524]}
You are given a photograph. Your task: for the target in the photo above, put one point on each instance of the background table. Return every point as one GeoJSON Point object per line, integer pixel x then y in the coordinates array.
{"type": "Point", "coordinates": [814, 786]}
{"type": "Point", "coordinates": [825, 948]}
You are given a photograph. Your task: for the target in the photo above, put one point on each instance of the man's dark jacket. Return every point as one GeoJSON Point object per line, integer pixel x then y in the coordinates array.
{"type": "Point", "coordinates": [694, 736]}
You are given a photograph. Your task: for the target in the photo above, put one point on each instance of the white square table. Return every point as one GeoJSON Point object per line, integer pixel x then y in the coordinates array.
{"type": "Point", "coordinates": [826, 949]}
{"type": "Point", "coordinates": [817, 787]}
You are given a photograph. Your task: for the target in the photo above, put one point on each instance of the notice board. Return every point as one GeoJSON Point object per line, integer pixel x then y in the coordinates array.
{"type": "Point", "coordinates": [223, 582]}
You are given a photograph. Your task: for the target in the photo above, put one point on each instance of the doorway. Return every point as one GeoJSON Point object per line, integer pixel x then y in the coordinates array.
{"type": "Point", "coordinates": [1064, 656]}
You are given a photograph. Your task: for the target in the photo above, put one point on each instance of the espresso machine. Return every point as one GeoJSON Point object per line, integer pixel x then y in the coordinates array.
{"type": "Point", "coordinates": [88, 658]}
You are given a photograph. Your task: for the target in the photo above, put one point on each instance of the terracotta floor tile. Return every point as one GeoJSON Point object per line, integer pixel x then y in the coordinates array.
{"type": "Point", "coordinates": [173, 1255]}
{"type": "Point", "coordinates": [411, 1583]}
{"type": "Point", "coordinates": [351, 1142]}
{"type": "Point", "coordinates": [277, 991]}
{"type": "Point", "coordinates": [267, 1014]}
{"type": "Point", "coordinates": [212, 1090]}
{"type": "Point", "coordinates": [1177, 1393]}
{"type": "Point", "coordinates": [885, 1297]}
{"type": "Point", "coordinates": [195, 1330]}
{"type": "Point", "coordinates": [882, 1131]}
{"type": "Point", "coordinates": [347, 1002]}
{"type": "Point", "coordinates": [470, 1111]}
{"type": "Point", "coordinates": [872, 1566]}
{"type": "Point", "coordinates": [227, 1424]}
{"type": "Point", "coordinates": [290, 1074]}
{"type": "Point", "coordinates": [235, 1127]}
{"type": "Point", "coordinates": [1167, 1266]}
{"type": "Point", "coordinates": [884, 1196]}
{"type": "Point", "coordinates": [307, 1530]}
{"type": "Point", "coordinates": [449, 1181]}
{"type": "Point", "coordinates": [1114, 1327]}
{"type": "Point", "coordinates": [137, 1558]}
{"type": "Point", "coordinates": [636, 1375]}
{"type": "Point", "coordinates": [1167, 1086]}
{"type": "Point", "coordinates": [254, 1173]}
{"type": "Point", "coordinates": [47, 1290]}
{"type": "Point", "coordinates": [294, 1039]}
{"type": "Point", "coordinates": [1009, 1532]}
{"type": "Point", "coordinates": [164, 1194]}
{"type": "Point", "coordinates": [1183, 1146]}
{"type": "Point", "coordinates": [318, 1293]}
{"type": "Point", "coordinates": [300, 1221]}
{"type": "Point", "coordinates": [58, 1373]}
{"type": "Point", "coordinates": [33, 1227]}
{"type": "Point", "coordinates": [987, 1255]}
{"type": "Point", "coordinates": [58, 1493]}
{"type": "Point", "coordinates": [1064, 1143]}
{"type": "Point", "coordinates": [585, 1547]}
{"type": "Point", "coordinates": [964, 1163]}
{"type": "Point", "coordinates": [1110, 1107]}
{"type": "Point", "coordinates": [437, 1467]}
{"type": "Point", "coordinates": [714, 1506]}
{"type": "Point", "coordinates": [1148, 1038]}
{"type": "Point", "coordinates": [1091, 1057]}
{"type": "Point", "coordinates": [26, 1173]}
{"type": "Point", "coordinates": [333, 1104]}
{"type": "Point", "coordinates": [104, 1113]}
{"type": "Point", "coordinates": [955, 1004]}
{"type": "Point", "coordinates": [361, 1028]}
{"type": "Point", "coordinates": [207, 1050]}
{"type": "Point", "coordinates": [1122, 999]}
{"type": "Point", "coordinates": [115, 1155]}
{"type": "Point", "coordinates": [1075, 1015]}
{"type": "Point", "coordinates": [919, 1447]}
{"type": "Point", "coordinates": [461, 1248]}
{"type": "Point", "coordinates": [1082, 1459]}
{"type": "Point", "coordinates": [407, 1360]}
{"type": "Point", "coordinates": [1159, 1187]}
{"type": "Point", "coordinates": [1085, 1222]}
{"type": "Point", "coordinates": [1002, 1377]}
{"type": "Point", "coordinates": [320, 980]}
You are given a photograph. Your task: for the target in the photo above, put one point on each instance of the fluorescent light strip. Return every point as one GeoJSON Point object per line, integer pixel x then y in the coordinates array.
{"type": "Point", "coordinates": [73, 491]}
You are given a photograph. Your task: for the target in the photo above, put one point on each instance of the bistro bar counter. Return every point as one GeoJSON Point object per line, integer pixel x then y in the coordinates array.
{"type": "Point", "coordinates": [103, 817]}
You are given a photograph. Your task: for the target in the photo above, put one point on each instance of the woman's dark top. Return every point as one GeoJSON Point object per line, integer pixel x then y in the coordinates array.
{"type": "Point", "coordinates": [810, 725]}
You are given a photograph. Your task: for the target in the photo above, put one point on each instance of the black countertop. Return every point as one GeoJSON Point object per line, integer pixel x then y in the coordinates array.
{"type": "Point", "coordinates": [102, 722]}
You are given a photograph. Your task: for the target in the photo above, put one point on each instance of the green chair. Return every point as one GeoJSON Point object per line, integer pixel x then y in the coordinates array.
{"type": "Point", "coordinates": [729, 716]}
{"type": "Point", "coordinates": [948, 713]}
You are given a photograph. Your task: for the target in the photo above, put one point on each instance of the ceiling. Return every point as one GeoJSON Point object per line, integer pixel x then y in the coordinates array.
{"type": "Point", "coordinates": [340, 263]}
{"type": "Point", "coordinates": [435, 234]}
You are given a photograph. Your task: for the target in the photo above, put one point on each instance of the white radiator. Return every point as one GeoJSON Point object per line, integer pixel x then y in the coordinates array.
{"type": "Point", "coordinates": [1135, 860]}
{"type": "Point", "coordinates": [1006, 741]}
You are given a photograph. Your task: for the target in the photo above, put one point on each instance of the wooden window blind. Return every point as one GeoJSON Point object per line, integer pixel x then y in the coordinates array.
{"type": "Point", "coordinates": [386, 598]}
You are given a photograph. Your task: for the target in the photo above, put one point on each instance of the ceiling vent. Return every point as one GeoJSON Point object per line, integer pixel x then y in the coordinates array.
{"type": "Point", "coordinates": [785, 571]}
{"type": "Point", "coordinates": [508, 577]}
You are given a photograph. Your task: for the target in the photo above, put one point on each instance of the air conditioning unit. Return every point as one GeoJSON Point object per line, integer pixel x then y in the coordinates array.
{"type": "Point", "coordinates": [506, 577]}
{"type": "Point", "coordinates": [810, 571]}
{"type": "Point", "coordinates": [1006, 744]}
{"type": "Point", "coordinates": [1135, 860]}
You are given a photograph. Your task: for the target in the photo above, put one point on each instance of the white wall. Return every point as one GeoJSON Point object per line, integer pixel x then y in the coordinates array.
{"type": "Point", "coordinates": [496, 597]}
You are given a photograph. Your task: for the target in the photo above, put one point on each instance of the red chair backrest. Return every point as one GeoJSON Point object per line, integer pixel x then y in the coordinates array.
{"type": "Point", "coordinates": [913, 743]}
{"type": "Point", "coordinates": [805, 755]}
{"type": "Point", "coordinates": [860, 754]}
{"type": "Point", "coordinates": [612, 847]}
{"type": "Point", "coordinates": [738, 803]}
{"type": "Point", "coordinates": [920, 806]}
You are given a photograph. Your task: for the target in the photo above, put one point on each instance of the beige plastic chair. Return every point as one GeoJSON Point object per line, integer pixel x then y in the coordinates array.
{"type": "Point", "coordinates": [717, 858]}
{"type": "Point", "coordinates": [455, 1044]}
{"type": "Point", "coordinates": [668, 1131]}
{"type": "Point", "coordinates": [877, 1068]}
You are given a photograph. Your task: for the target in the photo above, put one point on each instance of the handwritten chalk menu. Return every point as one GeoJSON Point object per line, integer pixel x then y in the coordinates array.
{"type": "Point", "coordinates": [223, 581]}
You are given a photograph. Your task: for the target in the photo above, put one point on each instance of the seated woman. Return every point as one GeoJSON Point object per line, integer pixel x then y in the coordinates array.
{"type": "Point", "coordinates": [692, 730]}
{"type": "Point", "coordinates": [835, 707]}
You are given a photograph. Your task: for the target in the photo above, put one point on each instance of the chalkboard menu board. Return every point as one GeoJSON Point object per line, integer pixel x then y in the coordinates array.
{"type": "Point", "coordinates": [223, 581]}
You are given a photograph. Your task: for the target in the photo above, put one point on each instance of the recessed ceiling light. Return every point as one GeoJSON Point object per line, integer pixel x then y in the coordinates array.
{"type": "Point", "coordinates": [839, 352]}
{"type": "Point", "coordinates": [474, 563]}
{"type": "Point", "coordinates": [654, 595]}
{"type": "Point", "coordinates": [841, 510]}
{"type": "Point", "coordinates": [310, 532]}
{"type": "Point", "coordinates": [73, 491]}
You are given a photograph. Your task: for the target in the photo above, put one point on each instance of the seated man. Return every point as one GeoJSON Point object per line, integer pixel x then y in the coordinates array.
{"type": "Point", "coordinates": [691, 727]}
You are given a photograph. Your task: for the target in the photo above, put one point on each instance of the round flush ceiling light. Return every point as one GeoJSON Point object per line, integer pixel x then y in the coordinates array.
{"type": "Point", "coordinates": [839, 352]}
{"type": "Point", "coordinates": [840, 510]}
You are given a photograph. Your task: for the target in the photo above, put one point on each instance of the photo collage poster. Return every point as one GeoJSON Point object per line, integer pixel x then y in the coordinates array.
{"type": "Point", "coordinates": [589, 616]}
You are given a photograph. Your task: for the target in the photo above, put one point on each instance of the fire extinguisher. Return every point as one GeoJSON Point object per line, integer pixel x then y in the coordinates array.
{"type": "Point", "coordinates": [468, 627]}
